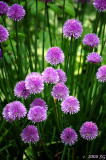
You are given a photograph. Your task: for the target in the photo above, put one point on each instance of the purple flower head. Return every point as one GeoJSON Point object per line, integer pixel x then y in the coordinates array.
{"type": "Point", "coordinates": [89, 131]}
{"type": "Point", "coordinates": [49, 75]}
{"type": "Point", "coordinates": [17, 110]}
{"type": "Point", "coordinates": [34, 83]}
{"type": "Point", "coordinates": [100, 5]}
{"type": "Point", "coordinates": [70, 105]}
{"type": "Point", "coordinates": [0, 54]}
{"type": "Point", "coordinates": [94, 58]}
{"type": "Point", "coordinates": [101, 74]}
{"type": "Point", "coordinates": [68, 136]}
{"type": "Point", "coordinates": [37, 114]}
{"type": "Point", "coordinates": [3, 8]}
{"type": "Point", "coordinates": [3, 34]}
{"type": "Point", "coordinates": [20, 90]}
{"type": "Point", "coordinates": [30, 134]}
{"type": "Point", "coordinates": [72, 27]}
{"type": "Point", "coordinates": [6, 111]}
{"type": "Point", "coordinates": [39, 102]}
{"type": "Point", "coordinates": [55, 56]}
{"type": "Point", "coordinates": [83, 1]}
{"type": "Point", "coordinates": [91, 40]}
{"type": "Point", "coordinates": [14, 110]}
{"type": "Point", "coordinates": [62, 75]}
{"type": "Point", "coordinates": [46, 1]}
{"type": "Point", "coordinates": [60, 91]}
{"type": "Point", "coordinates": [16, 12]}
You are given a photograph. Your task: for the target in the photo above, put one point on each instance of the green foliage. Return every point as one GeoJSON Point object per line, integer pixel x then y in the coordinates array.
{"type": "Point", "coordinates": [17, 62]}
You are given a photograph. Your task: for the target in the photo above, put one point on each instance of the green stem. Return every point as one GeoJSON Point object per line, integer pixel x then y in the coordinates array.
{"type": "Point", "coordinates": [18, 52]}
{"type": "Point", "coordinates": [69, 55]}
{"type": "Point", "coordinates": [83, 8]}
{"type": "Point", "coordinates": [97, 100]}
{"type": "Point", "coordinates": [96, 23]}
{"type": "Point", "coordinates": [40, 130]}
{"type": "Point", "coordinates": [36, 30]}
{"type": "Point", "coordinates": [49, 28]}
{"type": "Point", "coordinates": [27, 37]}
{"type": "Point", "coordinates": [34, 151]}
{"type": "Point", "coordinates": [86, 150]}
{"type": "Point", "coordinates": [63, 23]}
{"type": "Point", "coordinates": [64, 151]}
{"type": "Point", "coordinates": [78, 72]}
{"type": "Point", "coordinates": [68, 157]}
{"type": "Point", "coordinates": [72, 66]}
{"type": "Point", "coordinates": [6, 71]}
{"type": "Point", "coordinates": [9, 39]}
{"type": "Point", "coordinates": [77, 12]}
{"type": "Point", "coordinates": [44, 36]}
{"type": "Point", "coordinates": [54, 31]}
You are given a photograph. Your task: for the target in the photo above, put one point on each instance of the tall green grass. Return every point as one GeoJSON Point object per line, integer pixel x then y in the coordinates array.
{"type": "Point", "coordinates": [24, 52]}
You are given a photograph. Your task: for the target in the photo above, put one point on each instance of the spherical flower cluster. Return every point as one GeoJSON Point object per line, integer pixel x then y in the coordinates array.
{"type": "Point", "coordinates": [91, 40]}
{"type": "Point", "coordinates": [69, 136]}
{"type": "Point", "coordinates": [39, 102]}
{"type": "Point", "coordinates": [60, 91]}
{"type": "Point", "coordinates": [55, 56]}
{"type": "Point", "coordinates": [100, 5]}
{"type": "Point", "coordinates": [14, 110]}
{"type": "Point", "coordinates": [49, 75]}
{"type": "Point", "coordinates": [30, 134]}
{"type": "Point", "coordinates": [72, 27]}
{"type": "Point", "coordinates": [0, 54]}
{"type": "Point", "coordinates": [20, 90]}
{"type": "Point", "coordinates": [3, 8]}
{"type": "Point", "coordinates": [46, 1]}
{"type": "Point", "coordinates": [94, 58]}
{"type": "Point", "coordinates": [70, 105]}
{"type": "Point", "coordinates": [6, 112]}
{"type": "Point", "coordinates": [37, 114]}
{"type": "Point", "coordinates": [62, 75]}
{"type": "Point", "coordinates": [34, 83]}
{"type": "Point", "coordinates": [89, 131]}
{"type": "Point", "coordinates": [101, 74]}
{"type": "Point", "coordinates": [16, 12]}
{"type": "Point", "coordinates": [3, 34]}
{"type": "Point", "coordinates": [83, 1]}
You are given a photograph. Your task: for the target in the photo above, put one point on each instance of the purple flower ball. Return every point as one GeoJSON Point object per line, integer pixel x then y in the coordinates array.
{"type": "Point", "coordinates": [16, 12]}
{"type": "Point", "coordinates": [3, 8]}
{"type": "Point", "coordinates": [5, 112]}
{"type": "Point", "coordinates": [83, 1]}
{"type": "Point", "coordinates": [30, 134]}
{"type": "Point", "coordinates": [70, 105]}
{"type": "Point", "coordinates": [72, 27]}
{"type": "Point", "coordinates": [39, 102]}
{"type": "Point", "coordinates": [91, 40]}
{"type": "Point", "coordinates": [94, 58]}
{"type": "Point", "coordinates": [89, 131]}
{"type": "Point", "coordinates": [14, 110]}
{"type": "Point", "coordinates": [0, 54]}
{"type": "Point", "coordinates": [69, 136]}
{"type": "Point", "coordinates": [100, 5]}
{"type": "Point", "coordinates": [37, 114]}
{"type": "Point", "coordinates": [60, 91]}
{"type": "Point", "coordinates": [34, 83]}
{"type": "Point", "coordinates": [62, 75]}
{"type": "Point", "coordinates": [55, 56]}
{"type": "Point", "coordinates": [49, 75]}
{"type": "Point", "coordinates": [101, 74]}
{"type": "Point", "coordinates": [20, 90]}
{"type": "Point", "coordinates": [3, 34]}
